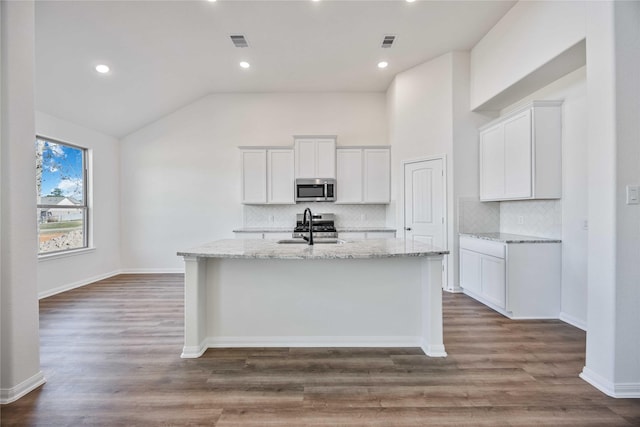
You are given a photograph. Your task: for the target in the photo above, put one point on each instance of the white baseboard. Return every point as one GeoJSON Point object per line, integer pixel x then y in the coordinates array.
{"type": "Point", "coordinates": [8, 395]}
{"type": "Point", "coordinates": [455, 290]}
{"type": "Point", "coordinates": [617, 390]}
{"type": "Point", "coordinates": [152, 270]}
{"type": "Point", "coordinates": [573, 321]}
{"type": "Point", "coordinates": [313, 341]}
{"type": "Point", "coordinates": [434, 350]}
{"type": "Point", "coordinates": [78, 284]}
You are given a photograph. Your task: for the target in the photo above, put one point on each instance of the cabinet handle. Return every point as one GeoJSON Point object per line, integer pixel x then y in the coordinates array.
{"type": "Point", "coordinates": [408, 228]}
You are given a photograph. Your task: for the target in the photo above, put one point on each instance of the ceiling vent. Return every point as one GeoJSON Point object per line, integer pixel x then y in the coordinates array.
{"type": "Point", "coordinates": [239, 40]}
{"type": "Point", "coordinates": [387, 42]}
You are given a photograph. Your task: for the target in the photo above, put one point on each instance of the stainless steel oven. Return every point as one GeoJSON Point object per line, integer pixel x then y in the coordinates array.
{"type": "Point", "coordinates": [315, 190]}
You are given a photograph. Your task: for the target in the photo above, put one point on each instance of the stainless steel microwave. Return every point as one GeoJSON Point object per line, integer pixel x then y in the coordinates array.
{"type": "Point", "coordinates": [315, 190]}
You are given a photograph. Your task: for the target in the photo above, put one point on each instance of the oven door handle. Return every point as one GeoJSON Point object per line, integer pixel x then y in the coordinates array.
{"type": "Point", "coordinates": [326, 190]}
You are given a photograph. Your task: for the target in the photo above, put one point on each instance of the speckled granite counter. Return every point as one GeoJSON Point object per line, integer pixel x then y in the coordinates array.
{"type": "Point", "coordinates": [270, 249]}
{"type": "Point", "coordinates": [264, 230]}
{"type": "Point", "coordinates": [290, 230]}
{"type": "Point", "coordinates": [510, 238]}
{"type": "Point", "coordinates": [362, 293]}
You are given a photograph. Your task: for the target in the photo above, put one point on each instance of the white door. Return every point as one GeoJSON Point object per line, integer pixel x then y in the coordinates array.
{"type": "Point", "coordinates": [424, 202]}
{"type": "Point", "coordinates": [424, 205]}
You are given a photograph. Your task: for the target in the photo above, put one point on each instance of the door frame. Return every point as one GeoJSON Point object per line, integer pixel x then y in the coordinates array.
{"type": "Point", "coordinates": [445, 210]}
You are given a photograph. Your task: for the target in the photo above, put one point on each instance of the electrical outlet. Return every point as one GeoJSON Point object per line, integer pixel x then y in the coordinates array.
{"type": "Point", "coordinates": [363, 217]}
{"type": "Point", "coordinates": [585, 225]}
{"type": "Point", "coordinates": [633, 194]}
{"type": "Point", "coordinates": [520, 219]}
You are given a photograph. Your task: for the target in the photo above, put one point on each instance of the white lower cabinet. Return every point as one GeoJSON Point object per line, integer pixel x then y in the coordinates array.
{"type": "Point", "coordinates": [519, 280]}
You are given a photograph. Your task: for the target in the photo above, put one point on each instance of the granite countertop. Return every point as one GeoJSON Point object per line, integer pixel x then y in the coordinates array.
{"type": "Point", "coordinates": [264, 230]}
{"type": "Point", "coordinates": [270, 249]}
{"type": "Point", "coordinates": [290, 229]}
{"type": "Point", "coordinates": [363, 229]}
{"type": "Point", "coordinates": [510, 238]}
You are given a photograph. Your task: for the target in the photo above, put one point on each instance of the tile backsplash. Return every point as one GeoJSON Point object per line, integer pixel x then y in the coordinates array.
{"type": "Point", "coordinates": [475, 216]}
{"type": "Point", "coordinates": [541, 218]}
{"type": "Point", "coordinates": [285, 215]}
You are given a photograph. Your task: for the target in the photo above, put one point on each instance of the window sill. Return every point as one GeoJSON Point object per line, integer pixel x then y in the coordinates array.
{"type": "Point", "coordinates": [65, 254]}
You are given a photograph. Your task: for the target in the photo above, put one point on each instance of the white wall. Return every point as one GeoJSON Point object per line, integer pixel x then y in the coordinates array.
{"type": "Point", "coordinates": [180, 176]}
{"type": "Point", "coordinates": [420, 115]}
{"type": "Point", "coordinates": [613, 342]}
{"type": "Point", "coordinates": [429, 115]}
{"type": "Point", "coordinates": [572, 89]}
{"type": "Point", "coordinates": [531, 34]}
{"type": "Point", "coordinates": [19, 340]}
{"type": "Point", "coordinates": [61, 273]}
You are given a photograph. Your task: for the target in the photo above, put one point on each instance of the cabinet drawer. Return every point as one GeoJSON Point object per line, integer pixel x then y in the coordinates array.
{"type": "Point", "coordinates": [482, 246]}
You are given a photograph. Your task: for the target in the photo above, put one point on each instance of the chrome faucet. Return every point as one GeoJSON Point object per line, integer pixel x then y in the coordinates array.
{"type": "Point", "coordinates": [304, 222]}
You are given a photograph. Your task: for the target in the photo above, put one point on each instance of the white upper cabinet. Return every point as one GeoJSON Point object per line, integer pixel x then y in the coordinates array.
{"type": "Point", "coordinates": [280, 180]}
{"type": "Point", "coordinates": [377, 175]}
{"type": "Point", "coordinates": [521, 154]}
{"type": "Point", "coordinates": [363, 175]}
{"type": "Point", "coordinates": [315, 157]}
{"type": "Point", "coordinates": [267, 175]}
{"type": "Point", "coordinates": [349, 175]}
{"type": "Point", "coordinates": [254, 176]}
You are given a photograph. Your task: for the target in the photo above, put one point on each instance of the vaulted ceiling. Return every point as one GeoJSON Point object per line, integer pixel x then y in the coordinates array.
{"type": "Point", "coordinates": [166, 54]}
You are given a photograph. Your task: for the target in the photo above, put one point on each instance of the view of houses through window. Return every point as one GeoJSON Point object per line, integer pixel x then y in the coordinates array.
{"type": "Point", "coordinates": [62, 197]}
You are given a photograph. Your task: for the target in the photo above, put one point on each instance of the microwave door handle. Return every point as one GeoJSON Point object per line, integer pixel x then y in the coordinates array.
{"type": "Point", "coordinates": [326, 190]}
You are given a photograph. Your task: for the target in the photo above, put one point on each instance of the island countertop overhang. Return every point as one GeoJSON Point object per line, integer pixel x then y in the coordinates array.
{"type": "Point", "coordinates": [270, 249]}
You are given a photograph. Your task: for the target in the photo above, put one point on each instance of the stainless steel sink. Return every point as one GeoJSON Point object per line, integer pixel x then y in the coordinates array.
{"type": "Point", "coordinates": [316, 241]}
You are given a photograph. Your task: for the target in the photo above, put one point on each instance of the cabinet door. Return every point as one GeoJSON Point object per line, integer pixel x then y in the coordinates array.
{"type": "Point", "coordinates": [280, 182]}
{"type": "Point", "coordinates": [517, 156]}
{"type": "Point", "coordinates": [492, 163]}
{"type": "Point", "coordinates": [349, 175]}
{"type": "Point", "coordinates": [492, 279]}
{"type": "Point", "coordinates": [377, 175]}
{"type": "Point", "coordinates": [305, 158]}
{"type": "Point", "coordinates": [470, 271]}
{"type": "Point", "coordinates": [325, 158]}
{"type": "Point", "coordinates": [254, 176]}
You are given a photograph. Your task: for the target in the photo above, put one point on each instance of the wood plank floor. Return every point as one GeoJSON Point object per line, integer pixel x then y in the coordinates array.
{"type": "Point", "coordinates": [111, 356]}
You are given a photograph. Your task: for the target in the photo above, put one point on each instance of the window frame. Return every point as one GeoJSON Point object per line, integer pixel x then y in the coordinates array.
{"type": "Point", "coordinates": [84, 207]}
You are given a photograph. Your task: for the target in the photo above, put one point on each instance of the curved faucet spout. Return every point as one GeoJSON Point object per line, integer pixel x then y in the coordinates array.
{"type": "Point", "coordinates": [304, 222]}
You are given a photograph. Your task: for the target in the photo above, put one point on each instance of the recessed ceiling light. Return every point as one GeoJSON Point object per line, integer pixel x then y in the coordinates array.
{"type": "Point", "coordinates": [410, 1]}
{"type": "Point", "coordinates": [102, 69]}
{"type": "Point", "coordinates": [245, 64]}
{"type": "Point", "coordinates": [211, 1]}
{"type": "Point", "coordinates": [383, 64]}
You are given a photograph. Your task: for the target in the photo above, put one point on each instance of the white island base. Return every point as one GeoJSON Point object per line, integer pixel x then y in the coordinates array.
{"type": "Point", "coordinates": [391, 301]}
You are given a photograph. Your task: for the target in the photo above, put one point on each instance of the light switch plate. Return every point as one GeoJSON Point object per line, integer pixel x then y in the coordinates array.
{"type": "Point", "coordinates": [633, 194]}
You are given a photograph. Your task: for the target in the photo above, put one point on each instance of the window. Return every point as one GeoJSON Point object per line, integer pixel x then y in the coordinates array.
{"type": "Point", "coordinates": [61, 178]}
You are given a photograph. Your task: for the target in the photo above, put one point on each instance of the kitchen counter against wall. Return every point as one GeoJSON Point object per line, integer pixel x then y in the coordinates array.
{"type": "Point", "coordinates": [290, 230]}
{"type": "Point", "coordinates": [510, 238]}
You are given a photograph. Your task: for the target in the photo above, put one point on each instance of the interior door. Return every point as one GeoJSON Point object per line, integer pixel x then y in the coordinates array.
{"type": "Point", "coordinates": [424, 202]}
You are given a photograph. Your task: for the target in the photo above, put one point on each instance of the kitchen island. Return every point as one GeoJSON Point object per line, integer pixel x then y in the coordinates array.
{"type": "Point", "coordinates": [361, 293]}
